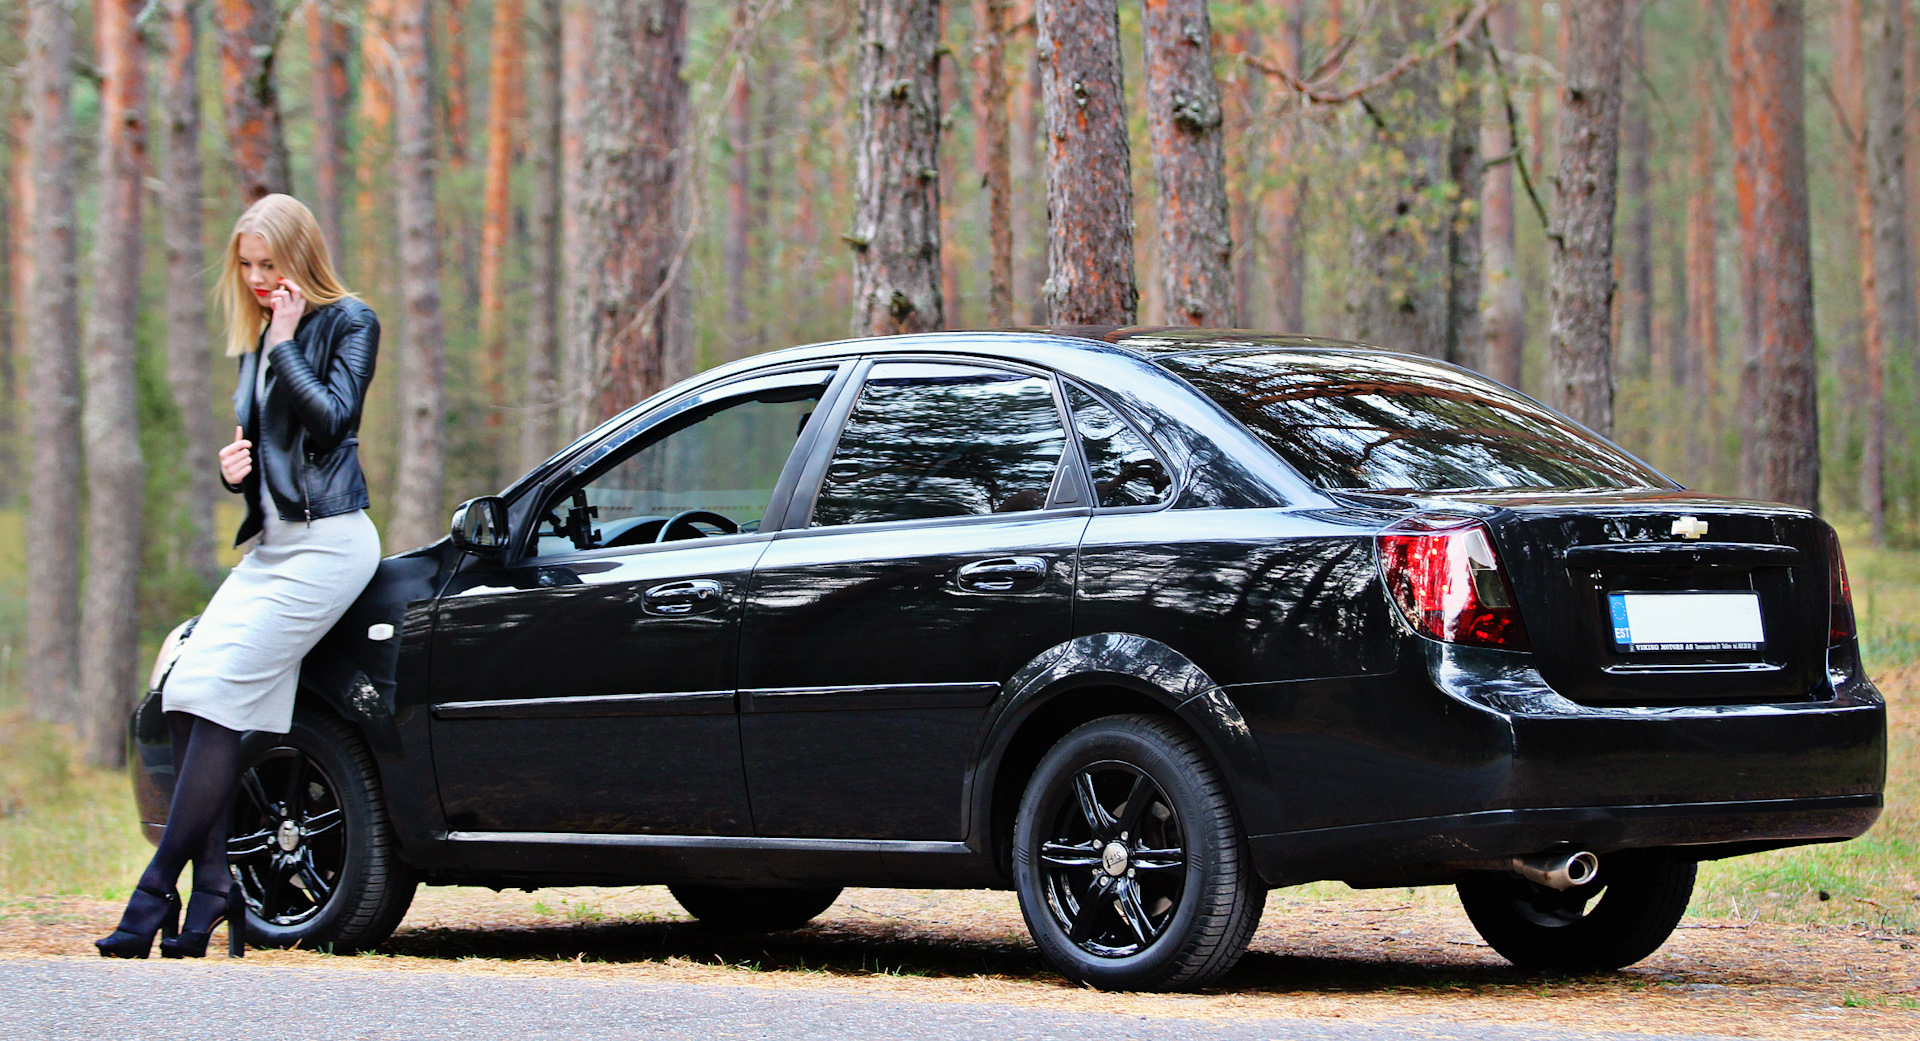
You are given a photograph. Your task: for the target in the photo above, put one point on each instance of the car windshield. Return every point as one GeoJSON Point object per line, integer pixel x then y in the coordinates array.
{"type": "Point", "coordinates": [1352, 421]}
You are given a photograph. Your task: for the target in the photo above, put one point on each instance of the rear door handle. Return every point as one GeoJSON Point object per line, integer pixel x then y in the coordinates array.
{"type": "Point", "coordinates": [700, 596]}
{"type": "Point", "coordinates": [1002, 575]}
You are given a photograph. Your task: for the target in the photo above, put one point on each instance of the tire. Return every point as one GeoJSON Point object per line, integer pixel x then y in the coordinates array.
{"type": "Point", "coordinates": [749, 909]}
{"type": "Point", "coordinates": [1640, 898]}
{"type": "Point", "coordinates": [339, 886]}
{"type": "Point", "coordinates": [1129, 863]}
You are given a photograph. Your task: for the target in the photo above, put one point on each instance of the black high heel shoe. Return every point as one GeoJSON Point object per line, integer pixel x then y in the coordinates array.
{"type": "Point", "coordinates": [192, 942]}
{"type": "Point", "coordinates": [148, 911]}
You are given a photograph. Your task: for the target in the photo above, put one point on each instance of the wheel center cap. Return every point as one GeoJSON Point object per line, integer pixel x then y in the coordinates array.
{"type": "Point", "coordinates": [1114, 859]}
{"type": "Point", "coordinates": [288, 835]}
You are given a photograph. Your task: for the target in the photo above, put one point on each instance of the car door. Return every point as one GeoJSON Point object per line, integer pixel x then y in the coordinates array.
{"type": "Point", "coordinates": [936, 558]}
{"type": "Point", "coordinates": [587, 684]}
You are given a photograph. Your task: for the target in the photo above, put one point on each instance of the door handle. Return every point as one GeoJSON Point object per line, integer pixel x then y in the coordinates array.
{"type": "Point", "coordinates": [700, 596]}
{"type": "Point", "coordinates": [1002, 575]}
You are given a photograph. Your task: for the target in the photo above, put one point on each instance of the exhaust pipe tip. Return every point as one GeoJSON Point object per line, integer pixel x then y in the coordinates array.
{"type": "Point", "coordinates": [1559, 870]}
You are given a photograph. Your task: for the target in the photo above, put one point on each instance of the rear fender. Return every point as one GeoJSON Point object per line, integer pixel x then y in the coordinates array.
{"type": "Point", "coordinates": [1152, 672]}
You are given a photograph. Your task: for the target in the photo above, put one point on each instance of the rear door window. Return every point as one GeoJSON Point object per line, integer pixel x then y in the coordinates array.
{"type": "Point", "coordinates": [943, 440]}
{"type": "Point", "coordinates": [1125, 471]}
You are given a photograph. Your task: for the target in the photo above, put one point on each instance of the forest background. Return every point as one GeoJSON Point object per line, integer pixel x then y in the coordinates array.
{"type": "Point", "coordinates": [559, 206]}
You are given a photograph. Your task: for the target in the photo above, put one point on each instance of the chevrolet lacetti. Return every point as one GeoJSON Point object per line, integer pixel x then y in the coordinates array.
{"type": "Point", "coordinates": [1137, 623]}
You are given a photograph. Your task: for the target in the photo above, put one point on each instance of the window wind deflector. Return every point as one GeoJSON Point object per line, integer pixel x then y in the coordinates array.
{"type": "Point", "coordinates": [1671, 554]}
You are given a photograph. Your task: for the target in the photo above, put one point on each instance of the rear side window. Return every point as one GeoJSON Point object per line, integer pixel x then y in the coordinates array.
{"type": "Point", "coordinates": [934, 440]}
{"type": "Point", "coordinates": [1379, 423]}
{"type": "Point", "coordinates": [1125, 471]}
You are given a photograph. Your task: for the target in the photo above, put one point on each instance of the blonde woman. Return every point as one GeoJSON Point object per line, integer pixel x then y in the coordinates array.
{"type": "Point", "coordinates": [306, 349]}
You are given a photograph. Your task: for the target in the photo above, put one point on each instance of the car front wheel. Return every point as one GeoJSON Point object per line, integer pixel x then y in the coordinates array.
{"type": "Point", "coordinates": [1623, 915]}
{"type": "Point", "coordinates": [309, 843]}
{"type": "Point", "coordinates": [1130, 867]}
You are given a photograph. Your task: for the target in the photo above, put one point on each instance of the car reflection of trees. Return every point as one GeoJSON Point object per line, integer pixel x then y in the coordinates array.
{"type": "Point", "coordinates": [914, 450]}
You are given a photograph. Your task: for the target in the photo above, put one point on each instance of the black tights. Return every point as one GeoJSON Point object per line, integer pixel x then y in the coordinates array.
{"type": "Point", "coordinates": [206, 765]}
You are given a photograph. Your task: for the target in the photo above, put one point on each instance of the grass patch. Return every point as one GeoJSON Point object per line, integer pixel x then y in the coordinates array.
{"type": "Point", "coordinates": [64, 830]}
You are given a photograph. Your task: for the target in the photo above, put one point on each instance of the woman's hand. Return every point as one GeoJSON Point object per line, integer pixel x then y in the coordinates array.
{"type": "Point", "coordinates": [288, 304]}
{"type": "Point", "coordinates": [236, 460]}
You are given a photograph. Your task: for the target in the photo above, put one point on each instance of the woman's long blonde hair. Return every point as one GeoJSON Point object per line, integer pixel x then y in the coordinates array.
{"type": "Point", "coordinates": [299, 252]}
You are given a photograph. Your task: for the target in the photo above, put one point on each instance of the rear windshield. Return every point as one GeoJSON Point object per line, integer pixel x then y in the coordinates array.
{"type": "Point", "coordinates": [1388, 423]}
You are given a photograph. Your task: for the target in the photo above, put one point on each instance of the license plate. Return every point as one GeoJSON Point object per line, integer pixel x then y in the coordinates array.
{"type": "Point", "coordinates": [1686, 621]}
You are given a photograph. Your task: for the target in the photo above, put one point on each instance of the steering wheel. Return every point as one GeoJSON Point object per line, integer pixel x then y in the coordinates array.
{"type": "Point", "coordinates": [687, 518]}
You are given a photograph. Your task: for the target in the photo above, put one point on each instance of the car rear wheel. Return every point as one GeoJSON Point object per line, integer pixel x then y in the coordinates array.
{"type": "Point", "coordinates": [1130, 867]}
{"type": "Point", "coordinates": [767, 910]}
{"type": "Point", "coordinates": [1622, 916]}
{"type": "Point", "coordinates": [309, 841]}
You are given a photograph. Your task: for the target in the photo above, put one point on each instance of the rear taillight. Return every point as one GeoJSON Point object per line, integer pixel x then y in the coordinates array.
{"type": "Point", "coordinates": [1446, 579]}
{"type": "Point", "coordinates": [1840, 627]}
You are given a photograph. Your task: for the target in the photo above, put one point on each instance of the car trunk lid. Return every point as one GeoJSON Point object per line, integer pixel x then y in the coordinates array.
{"type": "Point", "coordinates": [1692, 569]}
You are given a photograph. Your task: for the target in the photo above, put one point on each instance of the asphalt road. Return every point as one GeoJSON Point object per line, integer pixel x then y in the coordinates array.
{"type": "Point", "coordinates": [215, 1001]}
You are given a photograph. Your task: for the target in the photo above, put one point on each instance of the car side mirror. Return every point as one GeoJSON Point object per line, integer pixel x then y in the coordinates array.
{"type": "Point", "coordinates": [480, 525]}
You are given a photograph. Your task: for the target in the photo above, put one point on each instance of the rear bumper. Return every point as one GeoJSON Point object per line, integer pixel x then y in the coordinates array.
{"type": "Point", "coordinates": [1437, 849]}
{"type": "Point", "coordinates": [1533, 771]}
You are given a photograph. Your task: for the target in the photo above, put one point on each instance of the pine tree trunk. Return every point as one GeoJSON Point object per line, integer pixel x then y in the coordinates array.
{"type": "Point", "coordinates": [1866, 340]}
{"type": "Point", "coordinates": [503, 109]}
{"type": "Point", "coordinates": [418, 516]}
{"type": "Point", "coordinates": [1189, 163]}
{"type": "Point", "coordinates": [1580, 255]}
{"type": "Point", "coordinates": [1506, 314]}
{"type": "Point", "coordinates": [1745, 142]}
{"type": "Point", "coordinates": [189, 362]}
{"type": "Point", "coordinates": [53, 327]}
{"type": "Point", "coordinates": [373, 149]}
{"type": "Point", "coordinates": [9, 387]}
{"type": "Point", "coordinates": [1089, 168]}
{"type": "Point", "coordinates": [896, 223]}
{"type": "Point", "coordinates": [1775, 235]}
{"type": "Point", "coordinates": [1465, 340]}
{"type": "Point", "coordinates": [740, 215]}
{"type": "Point", "coordinates": [578, 379]}
{"type": "Point", "coordinates": [1702, 348]}
{"type": "Point", "coordinates": [947, 82]}
{"type": "Point", "coordinates": [1636, 259]}
{"type": "Point", "coordinates": [1031, 147]}
{"type": "Point", "coordinates": [328, 46]}
{"type": "Point", "coordinates": [1283, 222]}
{"type": "Point", "coordinates": [116, 473]}
{"type": "Point", "coordinates": [995, 157]}
{"type": "Point", "coordinates": [453, 78]}
{"type": "Point", "coordinates": [1399, 293]}
{"type": "Point", "coordinates": [20, 269]}
{"type": "Point", "coordinates": [543, 206]}
{"type": "Point", "coordinates": [623, 317]}
{"type": "Point", "coordinates": [1888, 245]}
{"type": "Point", "coordinates": [249, 36]}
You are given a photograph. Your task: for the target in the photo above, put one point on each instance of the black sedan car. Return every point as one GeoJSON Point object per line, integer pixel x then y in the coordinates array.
{"type": "Point", "coordinates": [1138, 623]}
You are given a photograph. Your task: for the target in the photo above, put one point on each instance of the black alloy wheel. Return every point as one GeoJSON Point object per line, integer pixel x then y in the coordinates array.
{"type": "Point", "coordinates": [309, 843]}
{"type": "Point", "coordinates": [1623, 915]}
{"type": "Point", "coordinates": [754, 908]}
{"type": "Point", "coordinates": [1130, 866]}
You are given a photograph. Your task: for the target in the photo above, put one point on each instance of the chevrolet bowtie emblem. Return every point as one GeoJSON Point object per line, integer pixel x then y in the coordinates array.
{"type": "Point", "coordinates": [1689, 527]}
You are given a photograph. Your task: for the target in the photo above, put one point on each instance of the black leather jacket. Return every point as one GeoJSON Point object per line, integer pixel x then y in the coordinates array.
{"type": "Point", "coordinates": [305, 433]}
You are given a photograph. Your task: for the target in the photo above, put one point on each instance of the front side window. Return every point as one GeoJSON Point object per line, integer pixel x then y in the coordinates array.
{"type": "Point", "coordinates": [938, 440]}
{"type": "Point", "coordinates": [713, 468]}
{"type": "Point", "coordinates": [1396, 424]}
{"type": "Point", "coordinates": [1125, 471]}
